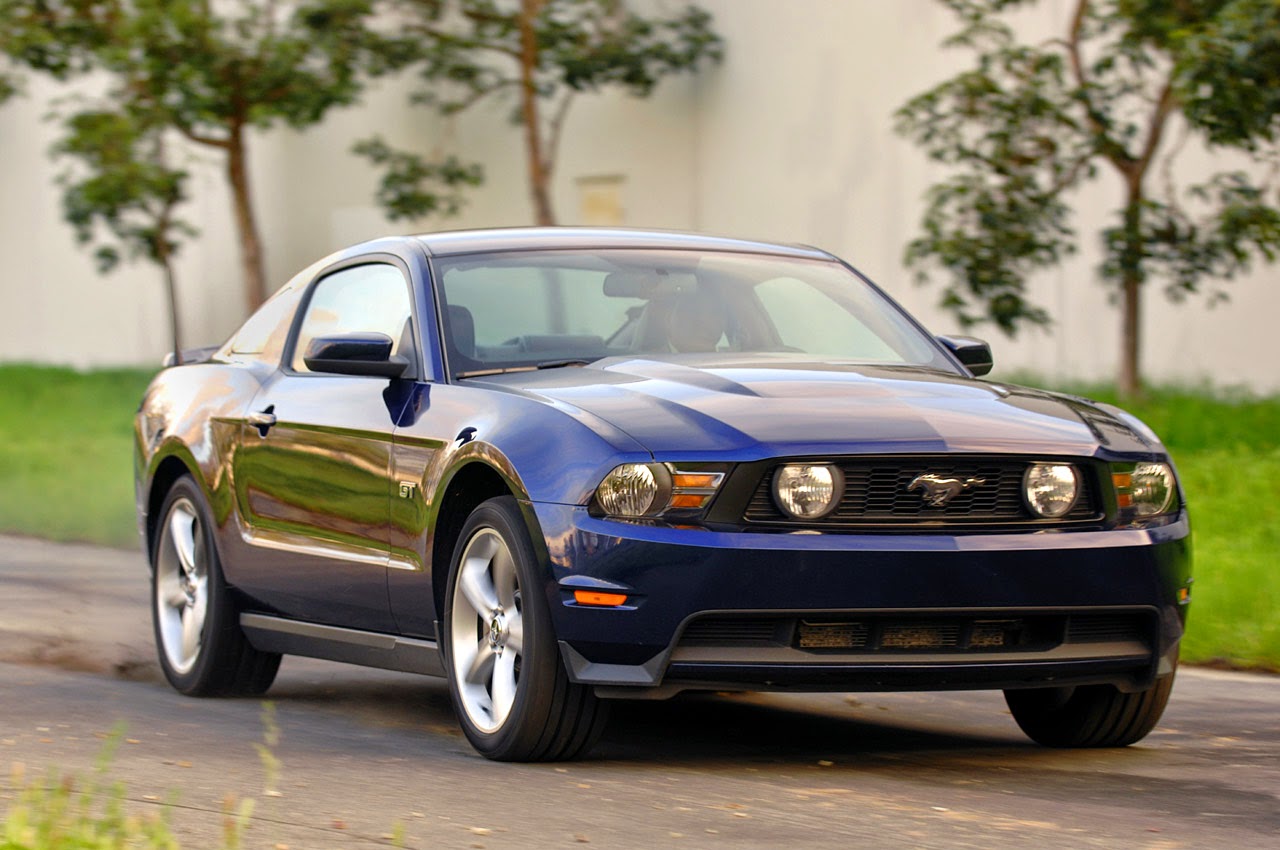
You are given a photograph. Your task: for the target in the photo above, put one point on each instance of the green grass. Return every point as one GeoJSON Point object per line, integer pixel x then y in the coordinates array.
{"type": "Point", "coordinates": [66, 469]}
{"type": "Point", "coordinates": [66, 474]}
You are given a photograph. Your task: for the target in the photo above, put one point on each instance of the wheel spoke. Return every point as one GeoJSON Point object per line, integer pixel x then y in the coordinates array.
{"type": "Point", "coordinates": [191, 623]}
{"type": "Point", "coordinates": [503, 688]}
{"type": "Point", "coordinates": [182, 529]}
{"type": "Point", "coordinates": [504, 578]}
{"type": "Point", "coordinates": [480, 667]}
{"type": "Point", "coordinates": [477, 587]}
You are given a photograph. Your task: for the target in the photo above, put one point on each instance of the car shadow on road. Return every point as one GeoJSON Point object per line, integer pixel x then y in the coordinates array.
{"type": "Point", "coordinates": [698, 727]}
{"type": "Point", "coordinates": [693, 727]}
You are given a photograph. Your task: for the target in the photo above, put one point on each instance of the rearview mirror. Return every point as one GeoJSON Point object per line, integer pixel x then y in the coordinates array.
{"type": "Point", "coordinates": [354, 354]}
{"type": "Point", "coordinates": [974, 353]}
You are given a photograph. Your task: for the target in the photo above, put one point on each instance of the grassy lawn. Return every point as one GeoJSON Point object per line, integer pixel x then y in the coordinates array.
{"type": "Point", "coordinates": [66, 469]}
{"type": "Point", "coordinates": [65, 474]}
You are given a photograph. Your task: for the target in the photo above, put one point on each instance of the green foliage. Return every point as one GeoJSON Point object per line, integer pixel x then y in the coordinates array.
{"type": "Point", "coordinates": [413, 187]}
{"type": "Point", "coordinates": [209, 71]}
{"type": "Point", "coordinates": [80, 813]}
{"type": "Point", "coordinates": [468, 51]}
{"type": "Point", "coordinates": [120, 180]}
{"type": "Point", "coordinates": [1029, 125]}
{"type": "Point", "coordinates": [67, 812]}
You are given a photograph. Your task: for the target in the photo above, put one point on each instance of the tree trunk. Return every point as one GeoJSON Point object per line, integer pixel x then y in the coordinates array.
{"type": "Point", "coordinates": [539, 167]}
{"type": "Point", "coordinates": [1129, 377]}
{"type": "Point", "coordinates": [171, 294]}
{"type": "Point", "coordinates": [251, 266]}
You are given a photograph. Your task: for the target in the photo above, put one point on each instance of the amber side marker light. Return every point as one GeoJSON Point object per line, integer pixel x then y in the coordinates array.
{"type": "Point", "coordinates": [1123, 482]}
{"type": "Point", "coordinates": [592, 597]}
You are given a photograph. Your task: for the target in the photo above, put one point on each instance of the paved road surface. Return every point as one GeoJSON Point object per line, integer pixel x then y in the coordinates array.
{"type": "Point", "coordinates": [364, 753]}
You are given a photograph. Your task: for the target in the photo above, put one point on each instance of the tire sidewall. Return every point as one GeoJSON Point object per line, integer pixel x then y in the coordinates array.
{"type": "Point", "coordinates": [539, 657]}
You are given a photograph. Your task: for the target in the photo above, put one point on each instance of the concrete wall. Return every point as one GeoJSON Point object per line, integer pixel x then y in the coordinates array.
{"type": "Point", "coordinates": [790, 139]}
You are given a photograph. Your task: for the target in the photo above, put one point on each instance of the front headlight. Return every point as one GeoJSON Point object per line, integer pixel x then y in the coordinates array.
{"type": "Point", "coordinates": [807, 491]}
{"type": "Point", "coordinates": [635, 490]}
{"type": "Point", "coordinates": [1145, 489]}
{"type": "Point", "coordinates": [1051, 489]}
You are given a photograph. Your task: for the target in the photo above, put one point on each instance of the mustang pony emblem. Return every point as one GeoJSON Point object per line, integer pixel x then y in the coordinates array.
{"type": "Point", "coordinates": [938, 491]}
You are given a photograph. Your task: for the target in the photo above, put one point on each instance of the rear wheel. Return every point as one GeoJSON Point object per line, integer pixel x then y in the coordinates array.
{"type": "Point", "coordinates": [202, 650]}
{"type": "Point", "coordinates": [513, 698]}
{"type": "Point", "coordinates": [1088, 715]}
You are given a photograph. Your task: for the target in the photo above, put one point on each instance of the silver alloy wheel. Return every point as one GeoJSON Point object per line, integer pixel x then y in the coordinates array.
{"type": "Point", "coordinates": [487, 630]}
{"type": "Point", "coordinates": [181, 587]}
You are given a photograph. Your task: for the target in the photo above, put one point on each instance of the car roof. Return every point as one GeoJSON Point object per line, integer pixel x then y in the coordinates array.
{"type": "Point", "coordinates": [456, 242]}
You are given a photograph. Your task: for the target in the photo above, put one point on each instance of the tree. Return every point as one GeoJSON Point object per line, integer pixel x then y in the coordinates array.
{"type": "Point", "coordinates": [545, 53]}
{"type": "Point", "coordinates": [1030, 124]}
{"type": "Point", "coordinates": [211, 71]}
{"type": "Point", "coordinates": [120, 182]}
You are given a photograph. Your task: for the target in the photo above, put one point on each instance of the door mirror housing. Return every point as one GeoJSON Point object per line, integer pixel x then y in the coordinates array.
{"type": "Point", "coordinates": [366, 354]}
{"type": "Point", "coordinates": [974, 353]}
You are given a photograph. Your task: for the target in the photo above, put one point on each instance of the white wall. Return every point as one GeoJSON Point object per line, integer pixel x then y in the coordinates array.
{"type": "Point", "coordinates": [789, 139]}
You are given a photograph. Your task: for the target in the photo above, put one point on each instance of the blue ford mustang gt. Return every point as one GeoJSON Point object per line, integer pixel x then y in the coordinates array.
{"type": "Point", "coordinates": [561, 466]}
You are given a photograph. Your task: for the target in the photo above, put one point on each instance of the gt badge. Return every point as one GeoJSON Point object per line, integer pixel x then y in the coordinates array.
{"type": "Point", "coordinates": [407, 489]}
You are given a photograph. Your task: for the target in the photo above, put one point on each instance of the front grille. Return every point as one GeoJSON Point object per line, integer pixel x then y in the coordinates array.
{"type": "Point", "coordinates": [976, 632]}
{"type": "Point", "coordinates": [876, 494]}
{"type": "Point", "coordinates": [1099, 628]}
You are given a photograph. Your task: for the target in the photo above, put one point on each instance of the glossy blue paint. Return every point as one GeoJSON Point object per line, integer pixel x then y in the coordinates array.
{"type": "Point", "coordinates": [549, 437]}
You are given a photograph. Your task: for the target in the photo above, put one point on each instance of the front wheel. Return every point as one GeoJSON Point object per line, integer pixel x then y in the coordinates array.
{"type": "Point", "coordinates": [1088, 715]}
{"type": "Point", "coordinates": [511, 693]}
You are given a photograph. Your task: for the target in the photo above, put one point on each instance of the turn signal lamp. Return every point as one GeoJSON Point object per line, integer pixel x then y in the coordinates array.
{"type": "Point", "coordinates": [593, 597]}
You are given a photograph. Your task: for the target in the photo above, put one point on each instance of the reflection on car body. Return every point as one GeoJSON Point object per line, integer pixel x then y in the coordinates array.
{"type": "Point", "coordinates": [559, 466]}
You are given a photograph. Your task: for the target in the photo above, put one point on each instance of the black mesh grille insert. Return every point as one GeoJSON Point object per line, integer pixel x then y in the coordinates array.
{"type": "Point", "coordinates": [973, 632]}
{"type": "Point", "coordinates": [879, 492]}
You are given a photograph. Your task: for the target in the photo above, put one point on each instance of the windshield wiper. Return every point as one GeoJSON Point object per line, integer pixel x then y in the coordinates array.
{"type": "Point", "coordinates": [532, 367]}
{"type": "Point", "coordinates": [556, 364]}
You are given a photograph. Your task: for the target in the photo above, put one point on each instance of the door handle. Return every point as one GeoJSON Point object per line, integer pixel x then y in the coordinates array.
{"type": "Point", "coordinates": [263, 420]}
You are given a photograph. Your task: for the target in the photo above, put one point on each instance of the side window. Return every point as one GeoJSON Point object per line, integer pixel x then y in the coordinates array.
{"type": "Point", "coordinates": [372, 298]}
{"type": "Point", "coordinates": [803, 314]}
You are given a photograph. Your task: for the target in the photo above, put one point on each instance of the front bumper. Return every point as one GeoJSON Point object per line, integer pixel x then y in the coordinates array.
{"type": "Point", "coordinates": [725, 610]}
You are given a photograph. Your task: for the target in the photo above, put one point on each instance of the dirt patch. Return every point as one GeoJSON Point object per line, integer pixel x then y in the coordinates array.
{"type": "Point", "coordinates": [78, 657]}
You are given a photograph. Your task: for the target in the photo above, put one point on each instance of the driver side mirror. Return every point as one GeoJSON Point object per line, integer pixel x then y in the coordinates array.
{"type": "Point", "coordinates": [366, 354]}
{"type": "Point", "coordinates": [974, 353]}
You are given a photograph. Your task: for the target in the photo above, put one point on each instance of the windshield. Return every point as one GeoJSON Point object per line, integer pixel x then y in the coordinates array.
{"type": "Point", "coordinates": [547, 308]}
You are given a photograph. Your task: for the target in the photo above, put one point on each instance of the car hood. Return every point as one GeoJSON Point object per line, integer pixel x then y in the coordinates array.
{"type": "Point", "coordinates": [704, 406]}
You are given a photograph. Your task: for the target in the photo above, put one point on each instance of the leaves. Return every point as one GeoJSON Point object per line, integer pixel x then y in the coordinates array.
{"type": "Point", "coordinates": [1028, 125]}
{"type": "Point", "coordinates": [468, 51]}
{"type": "Point", "coordinates": [413, 187]}
{"type": "Point", "coordinates": [119, 178]}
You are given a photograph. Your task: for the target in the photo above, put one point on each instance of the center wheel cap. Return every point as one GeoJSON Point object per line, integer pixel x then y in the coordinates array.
{"type": "Point", "coordinates": [497, 631]}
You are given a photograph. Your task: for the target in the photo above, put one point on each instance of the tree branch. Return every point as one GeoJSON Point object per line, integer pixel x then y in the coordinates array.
{"type": "Point", "coordinates": [201, 139]}
{"type": "Point", "coordinates": [1108, 147]}
{"type": "Point", "coordinates": [1165, 105]}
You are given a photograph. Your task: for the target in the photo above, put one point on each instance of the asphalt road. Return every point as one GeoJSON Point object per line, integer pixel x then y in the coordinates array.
{"type": "Point", "coordinates": [365, 755]}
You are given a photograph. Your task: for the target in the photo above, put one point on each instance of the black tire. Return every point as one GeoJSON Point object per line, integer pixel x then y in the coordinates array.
{"type": "Point", "coordinates": [550, 718]}
{"type": "Point", "coordinates": [194, 616]}
{"type": "Point", "coordinates": [1088, 715]}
